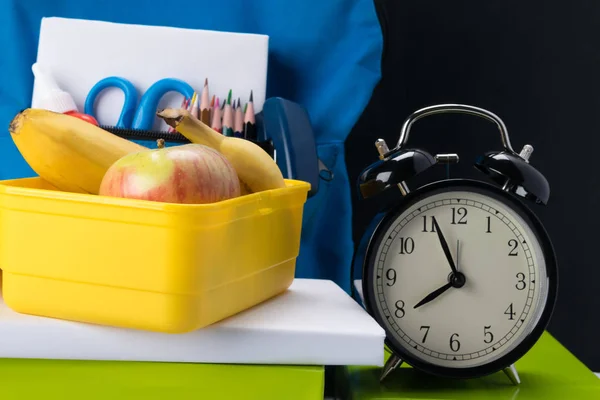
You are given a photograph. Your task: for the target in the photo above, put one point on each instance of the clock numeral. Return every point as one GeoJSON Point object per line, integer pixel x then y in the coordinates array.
{"type": "Point", "coordinates": [425, 225]}
{"type": "Point", "coordinates": [489, 336]}
{"type": "Point", "coordinates": [407, 246]}
{"type": "Point", "coordinates": [489, 223]}
{"type": "Point", "coordinates": [399, 309]}
{"type": "Point", "coordinates": [509, 311]}
{"type": "Point", "coordinates": [391, 275]}
{"type": "Point", "coordinates": [462, 213]}
{"type": "Point", "coordinates": [513, 243]}
{"type": "Point", "coordinates": [454, 343]}
{"type": "Point", "coordinates": [521, 280]}
{"type": "Point", "coordinates": [426, 332]}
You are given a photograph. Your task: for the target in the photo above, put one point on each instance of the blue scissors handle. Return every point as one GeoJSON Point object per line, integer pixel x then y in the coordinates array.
{"type": "Point", "coordinates": [129, 105]}
{"type": "Point", "coordinates": [146, 112]}
{"type": "Point", "coordinates": [134, 116]}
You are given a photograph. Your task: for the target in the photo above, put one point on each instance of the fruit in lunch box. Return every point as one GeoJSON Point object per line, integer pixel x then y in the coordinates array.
{"type": "Point", "coordinates": [190, 174]}
{"type": "Point", "coordinates": [256, 169]}
{"type": "Point", "coordinates": [71, 154]}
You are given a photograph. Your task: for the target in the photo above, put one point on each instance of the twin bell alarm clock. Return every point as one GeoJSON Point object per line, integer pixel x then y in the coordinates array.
{"type": "Point", "coordinates": [460, 273]}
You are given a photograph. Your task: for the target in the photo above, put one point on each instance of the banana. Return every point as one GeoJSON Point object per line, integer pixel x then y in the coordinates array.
{"type": "Point", "coordinates": [71, 154]}
{"type": "Point", "coordinates": [255, 168]}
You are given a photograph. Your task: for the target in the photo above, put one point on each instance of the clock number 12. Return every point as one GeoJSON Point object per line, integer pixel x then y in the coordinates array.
{"type": "Point", "coordinates": [461, 213]}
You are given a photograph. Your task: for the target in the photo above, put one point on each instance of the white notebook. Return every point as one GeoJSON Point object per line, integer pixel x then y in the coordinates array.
{"type": "Point", "coordinates": [313, 323]}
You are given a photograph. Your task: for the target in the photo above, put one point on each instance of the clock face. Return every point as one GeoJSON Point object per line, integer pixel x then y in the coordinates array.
{"type": "Point", "coordinates": [468, 296]}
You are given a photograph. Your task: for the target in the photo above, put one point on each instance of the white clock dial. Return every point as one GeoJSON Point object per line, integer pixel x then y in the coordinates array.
{"type": "Point", "coordinates": [504, 288]}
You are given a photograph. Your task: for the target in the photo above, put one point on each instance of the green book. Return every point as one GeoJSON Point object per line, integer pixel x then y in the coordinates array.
{"type": "Point", "coordinates": [65, 379]}
{"type": "Point", "coordinates": [548, 371]}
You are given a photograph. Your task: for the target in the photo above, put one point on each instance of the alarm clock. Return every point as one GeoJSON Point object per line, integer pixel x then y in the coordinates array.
{"type": "Point", "coordinates": [460, 273]}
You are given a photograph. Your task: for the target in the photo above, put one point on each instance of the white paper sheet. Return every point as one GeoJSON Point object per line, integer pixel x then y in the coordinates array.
{"type": "Point", "coordinates": [79, 53]}
{"type": "Point", "coordinates": [314, 322]}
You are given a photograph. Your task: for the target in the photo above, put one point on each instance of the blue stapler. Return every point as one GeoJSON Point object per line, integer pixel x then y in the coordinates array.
{"type": "Point", "coordinates": [286, 126]}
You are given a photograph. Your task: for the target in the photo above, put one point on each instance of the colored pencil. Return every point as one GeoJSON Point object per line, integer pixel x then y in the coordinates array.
{"type": "Point", "coordinates": [204, 104]}
{"type": "Point", "coordinates": [228, 117]}
{"type": "Point", "coordinates": [211, 108]}
{"type": "Point", "coordinates": [194, 105]}
{"type": "Point", "coordinates": [216, 120]}
{"type": "Point", "coordinates": [238, 125]}
{"type": "Point", "coordinates": [249, 120]}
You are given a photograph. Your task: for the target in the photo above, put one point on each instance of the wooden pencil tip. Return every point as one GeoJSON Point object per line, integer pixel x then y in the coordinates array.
{"type": "Point", "coordinates": [205, 81]}
{"type": "Point", "coordinates": [251, 95]}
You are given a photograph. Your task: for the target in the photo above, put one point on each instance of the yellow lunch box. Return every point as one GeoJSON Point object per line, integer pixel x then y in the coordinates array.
{"type": "Point", "coordinates": [141, 264]}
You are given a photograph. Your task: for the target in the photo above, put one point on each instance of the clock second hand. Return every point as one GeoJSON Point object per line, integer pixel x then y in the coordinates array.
{"type": "Point", "coordinates": [457, 249]}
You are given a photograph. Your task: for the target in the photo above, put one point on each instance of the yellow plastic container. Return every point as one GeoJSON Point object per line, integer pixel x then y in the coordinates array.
{"type": "Point", "coordinates": [145, 265]}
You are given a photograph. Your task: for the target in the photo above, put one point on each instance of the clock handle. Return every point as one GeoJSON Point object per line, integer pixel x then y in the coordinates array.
{"type": "Point", "coordinates": [454, 108]}
{"type": "Point", "coordinates": [511, 170]}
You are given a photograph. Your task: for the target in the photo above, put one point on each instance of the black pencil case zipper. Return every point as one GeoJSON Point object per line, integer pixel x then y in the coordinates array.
{"type": "Point", "coordinates": [171, 137]}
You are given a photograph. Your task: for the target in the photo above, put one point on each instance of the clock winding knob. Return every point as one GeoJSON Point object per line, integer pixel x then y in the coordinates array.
{"type": "Point", "coordinates": [395, 168]}
{"type": "Point", "coordinates": [382, 148]}
{"type": "Point", "coordinates": [526, 152]}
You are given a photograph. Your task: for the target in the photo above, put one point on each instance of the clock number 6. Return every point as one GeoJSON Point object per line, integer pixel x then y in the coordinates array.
{"type": "Point", "coordinates": [399, 309]}
{"type": "Point", "coordinates": [454, 343]}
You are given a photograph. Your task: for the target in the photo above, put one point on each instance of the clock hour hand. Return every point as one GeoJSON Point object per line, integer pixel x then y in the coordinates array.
{"type": "Point", "coordinates": [431, 296]}
{"type": "Point", "coordinates": [444, 245]}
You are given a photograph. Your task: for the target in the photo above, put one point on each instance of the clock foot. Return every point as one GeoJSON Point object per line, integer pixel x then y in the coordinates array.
{"type": "Point", "coordinates": [392, 363]}
{"type": "Point", "coordinates": [512, 374]}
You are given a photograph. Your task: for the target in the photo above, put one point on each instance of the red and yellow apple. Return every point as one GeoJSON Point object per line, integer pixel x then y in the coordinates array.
{"type": "Point", "coordinates": [186, 174]}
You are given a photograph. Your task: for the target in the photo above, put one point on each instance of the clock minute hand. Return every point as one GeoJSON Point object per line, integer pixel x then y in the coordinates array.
{"type": "Point", "coordinates": [444, 245]}
{"type": "Point", "coordinates": [433, 295]}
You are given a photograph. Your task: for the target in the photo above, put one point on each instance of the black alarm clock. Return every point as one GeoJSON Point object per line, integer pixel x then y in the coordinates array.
{"type": "Point", "coordinates": [460, 273]}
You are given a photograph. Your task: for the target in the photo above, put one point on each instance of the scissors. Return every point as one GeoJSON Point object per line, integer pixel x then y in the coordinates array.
{"type": "Point", "coordinates": [134, 116]}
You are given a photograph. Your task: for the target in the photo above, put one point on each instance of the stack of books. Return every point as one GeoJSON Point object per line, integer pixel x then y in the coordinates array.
{"type": "Point", "coordinates": [276, 350]}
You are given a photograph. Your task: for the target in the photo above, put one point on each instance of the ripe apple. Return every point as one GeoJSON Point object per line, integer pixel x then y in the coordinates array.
{"type": "Point", "coordinates": [190, 174]}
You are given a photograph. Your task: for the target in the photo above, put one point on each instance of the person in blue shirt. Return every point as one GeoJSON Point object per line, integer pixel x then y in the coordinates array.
{"type": "Point", "coordinates": [323, 55]}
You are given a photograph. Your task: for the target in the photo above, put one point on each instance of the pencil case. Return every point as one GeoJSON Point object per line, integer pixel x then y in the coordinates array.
{"type": "Point", "coordinates": [160, 267]}
{"type": "Point", "coordinates": [284, 131]}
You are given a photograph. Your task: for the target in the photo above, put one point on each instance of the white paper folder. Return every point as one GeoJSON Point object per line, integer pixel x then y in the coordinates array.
{"type": "Point", "coordinates": [79, 53]}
